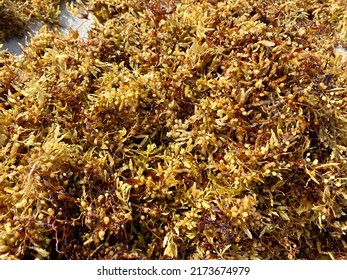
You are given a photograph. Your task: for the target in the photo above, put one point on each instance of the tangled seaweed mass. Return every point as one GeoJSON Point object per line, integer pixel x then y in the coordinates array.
{"type": "Point", "coordinates": [182, 129]}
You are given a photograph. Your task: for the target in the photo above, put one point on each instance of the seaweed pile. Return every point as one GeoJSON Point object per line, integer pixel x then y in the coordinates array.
{"type": "Point", "coordinates": [180, 129]}
{"type": "Point", "coordinates": [10, 21]}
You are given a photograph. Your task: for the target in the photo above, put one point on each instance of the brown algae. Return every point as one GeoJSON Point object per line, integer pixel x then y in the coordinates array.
{"type": "Point", "coordinates": [191, 129]}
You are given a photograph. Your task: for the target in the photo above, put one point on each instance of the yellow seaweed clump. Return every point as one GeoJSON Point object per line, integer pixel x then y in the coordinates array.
{"type": "Point", "coordinates": [178, 130]}
{"type": "Point", "coordinates": [16, 15]}
{"type": "Point", "coordinates": [10, 21]}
